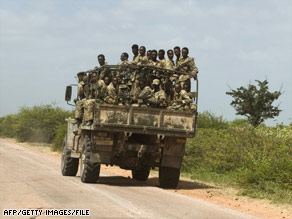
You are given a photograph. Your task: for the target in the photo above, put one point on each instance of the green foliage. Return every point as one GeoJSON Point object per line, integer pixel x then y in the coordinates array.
{"type": "Point", "coordinates": [209, 120]}
{"type": "Point", "coordinates": [34, 124]}
{"type": "Point", "coordinates": [238, 123]}
{"type": "Point", "coordinates": [251, 158]}
{"type": "Point", "coordinates": [8, 126]}
{"type": "Point", "coordinates": [60, 134]}
{"type": "Point", "coordinates": [254, 103]}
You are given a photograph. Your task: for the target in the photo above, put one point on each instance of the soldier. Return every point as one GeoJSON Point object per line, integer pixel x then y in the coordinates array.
{"type": "Point", "coordinates": [153, 60]}
{"type": "Point", "coordinates": [159, 97]}
{"type": "Point", "coordinates": [80, 97]}
{"type": "Point", "coordinates": [103, 70]}
{"type": "Point", "coordinates": [96, 95]}
{"type": "Point", "coordinates": [124, 59]}
{"type": "Point", "coordinates": [169, 62]}
{"type": "Point", "coordinates": [149, 55]}
{"type": "Point", "coordinates": [162, 61]}
{"type": "Point", "coordinates": [181, 99]}
{"type": "Point", "coordinates": [135, 53]}
{"type": "Point", "coordinates": [142, 58]}
{"type": "Point", "coordinates": [112, 92]}
{"type": "Point", "coordinates": [124, 95]}
{"type": "Point", "coordinates": [142, 94]}
{"type": "Point", "coordinates": [186, 64]}
{"type": "Point", "coordinates": [107, 81]}
{"type": "Point", "coordinates": [177, 54]}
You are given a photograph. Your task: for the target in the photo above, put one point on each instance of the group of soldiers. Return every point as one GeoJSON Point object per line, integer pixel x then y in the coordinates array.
{"type": "Point", "coordinates": [143, 82]}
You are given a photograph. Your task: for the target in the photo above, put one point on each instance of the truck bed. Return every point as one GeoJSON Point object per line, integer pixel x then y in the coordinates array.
{"type": "Point", "coordinates": [142, 120]}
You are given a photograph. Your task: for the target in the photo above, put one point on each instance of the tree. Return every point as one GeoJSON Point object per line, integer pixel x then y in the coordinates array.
{"type": "Point", "coordinates": [255, 103]}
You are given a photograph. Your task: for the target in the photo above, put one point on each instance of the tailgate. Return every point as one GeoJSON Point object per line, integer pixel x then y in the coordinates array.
{"type": "Point", "coordinates": [144, 120]}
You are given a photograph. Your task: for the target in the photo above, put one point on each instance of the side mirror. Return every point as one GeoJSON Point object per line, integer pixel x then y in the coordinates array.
{"type": "Point", "coordinates": [68, 93]}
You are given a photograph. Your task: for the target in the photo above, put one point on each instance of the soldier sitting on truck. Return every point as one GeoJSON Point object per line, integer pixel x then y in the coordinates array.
{"type": "Point", "coordinates": [97, 92]}
{"type": "Point", "coordinates": [158, 98]}
{"type": "Point", "coordinates": [124, 97]}
{"type": "Point", "coordinates": [124, 59]}
{"type": "Point", "coordinates": [181, 99]}
{"type": "Point", "coordinates": [186, 64]}
{"type": "Point", "coordinates": [112, 92]}
{"type": "Point", "coordinates": [142, 58]}
{"type": "Point", "coordinates": [103, 69]}
{"type": "Point", "coordinates": [80, 97]}
{"type": "Point", "coordinates": [142, 94]}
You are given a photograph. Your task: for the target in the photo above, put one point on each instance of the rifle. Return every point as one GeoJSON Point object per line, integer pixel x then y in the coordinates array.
{"type": "Point", "coordinates": [184, 64]}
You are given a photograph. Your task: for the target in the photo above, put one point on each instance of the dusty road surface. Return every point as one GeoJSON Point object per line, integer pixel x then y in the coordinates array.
{"type": "Point", "coordinates": [30, 179]}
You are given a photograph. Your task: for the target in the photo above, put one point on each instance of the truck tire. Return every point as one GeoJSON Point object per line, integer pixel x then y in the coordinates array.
{"type": "Point", "coordinates": [69, 165]}
{"type": "Point", "coordinates": [89, 171]}
{"type": "Point", "coordinates": [168, 177]}
{"type": "Point", "coordinates": [141, 173]}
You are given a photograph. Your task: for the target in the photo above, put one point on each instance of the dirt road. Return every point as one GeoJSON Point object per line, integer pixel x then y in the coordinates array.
{"type": "Point", "coordinates": [30, 179]}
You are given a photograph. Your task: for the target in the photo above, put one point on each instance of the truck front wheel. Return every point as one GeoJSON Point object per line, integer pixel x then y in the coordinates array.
{"type": "Point", "coordinates": [141, 173]}
{"type": "Point", "coordinates": [89, 171]}
{"type": "Point", "coordinates": [69, 165]}
{"type": "Point", "coordinates": [168, 177]}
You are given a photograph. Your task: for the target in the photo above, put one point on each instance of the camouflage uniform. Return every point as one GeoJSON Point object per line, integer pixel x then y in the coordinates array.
{"type": "Point", "coordinates": [151, 62]}
{"type": "Point", "coordinates": [143, 95]}
{"type": "Point", "coordinates": [97, 93]}
{"type": "Point", "coordinates": [142, 60]}
{"type": "Point", "coordinates": [123, 95]}
{"type": "Point", "coordinates": [126, 62]}
{"type": "Point", "coordinates": [112, 94]}
{"type": "Point", "coordinates": [169, 64]}
{"type": "Point", "coordinates": [162, 63]}
{"type": "Point", "coordinates": [181, 100]}
{"type": "Point", "coordinates": [178, 60]}
{"type": "Point", "coordinates": [135, 59]}
{"type": "Point", "coordinates": [186, 65]}
{"type": "Point", "coordinates": [80, 102]}
{"type": "Point", "coordinates": [159, 97]}
{"type": "Point", "coordinates": [104, 72]}
{"type": "Point", "coordinates": [81, 96]}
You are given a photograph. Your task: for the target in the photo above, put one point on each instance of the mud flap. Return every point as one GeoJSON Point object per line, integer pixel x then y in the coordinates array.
{"type": "Point", "coordinates": [173, 152]}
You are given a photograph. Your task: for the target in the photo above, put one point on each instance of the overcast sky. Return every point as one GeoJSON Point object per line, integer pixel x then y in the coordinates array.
{"type": "Point", "coordinates": [44, 43]}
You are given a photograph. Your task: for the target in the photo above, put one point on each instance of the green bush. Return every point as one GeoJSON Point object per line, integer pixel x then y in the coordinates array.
{"type": "Point", "coordinates": [8, 126]}
{"type": "Point", "coordinates": [209, 120]}
{"type": "Point", "coordinates": [251, 158]}
{"type": "Point", "coordinates": [60, 134]}
{"type": "Point", "coordinates": [34, 124]}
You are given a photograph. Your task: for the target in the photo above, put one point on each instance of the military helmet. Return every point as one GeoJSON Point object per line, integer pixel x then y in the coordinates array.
{"type": "Point", "coordinates": [156, 82]}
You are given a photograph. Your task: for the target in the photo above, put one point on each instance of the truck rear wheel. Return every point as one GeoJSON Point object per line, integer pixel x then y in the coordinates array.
{"type": "Point", "coordinates": [69, 165]}
{"type": "Point", "coordinates": [168, 177]}
{"type": "Point", "coordinates": [89, 171]}
{"type": "Point", "coordinates": [141, 173]}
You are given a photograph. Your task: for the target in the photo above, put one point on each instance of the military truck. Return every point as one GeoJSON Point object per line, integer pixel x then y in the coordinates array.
{"type": "Point", "coordinates": [133, 138]}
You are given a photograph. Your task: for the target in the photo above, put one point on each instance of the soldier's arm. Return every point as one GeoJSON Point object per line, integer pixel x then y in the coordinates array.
{"type": "Point", "coordinates": [193, 67]}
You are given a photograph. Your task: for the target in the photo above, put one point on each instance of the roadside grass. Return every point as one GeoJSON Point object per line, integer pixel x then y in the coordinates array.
{"type": "Point", "coordinates": [257, 161]}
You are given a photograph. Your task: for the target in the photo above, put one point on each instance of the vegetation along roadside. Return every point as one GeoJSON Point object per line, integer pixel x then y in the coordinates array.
{"type": "Point", "coordinates": [256, 160]}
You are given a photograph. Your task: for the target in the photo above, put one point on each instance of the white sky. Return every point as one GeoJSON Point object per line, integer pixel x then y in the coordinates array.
{"type": "Point", "coordinates": [44, 43]}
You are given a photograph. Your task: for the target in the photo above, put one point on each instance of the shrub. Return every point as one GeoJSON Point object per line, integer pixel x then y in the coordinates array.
{"type": "Point", "coordinates": [209, 120]}
{"type": "Point", "coordinates": [60, 134]}
{"type": "Point", "coordinates": [8, 126]}
{"type": "Point", "coordinates": [256, 159]}
{"type": "Point", "coordinates": [35, 124]}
